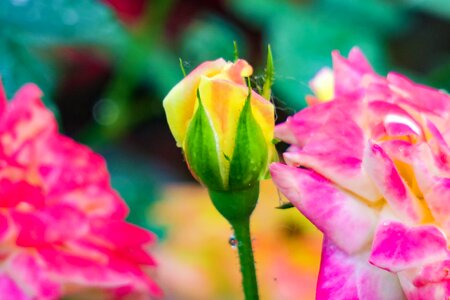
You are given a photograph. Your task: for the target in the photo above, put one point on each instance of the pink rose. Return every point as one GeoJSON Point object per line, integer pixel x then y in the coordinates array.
{"type": "Point", "coordinates": [370, 167]}
{"type": "Point", "coordinates": [62, 226]}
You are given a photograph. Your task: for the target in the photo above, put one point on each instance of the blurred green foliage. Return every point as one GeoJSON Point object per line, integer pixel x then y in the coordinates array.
{"type": "Point", "coordinates": [31, 30]}
{"type": "Point", "coordinates": [142, 62]}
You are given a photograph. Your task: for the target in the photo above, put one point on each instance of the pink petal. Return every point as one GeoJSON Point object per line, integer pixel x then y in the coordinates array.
{"type": "Point", "coordinates": [434, 183]}
{"type": "Point", "coordinates": [121, 233]}
{"type": "Point", "coordinates": [26, 118]}
{"type": "Point", "coordinates": [386, 177]}
{"type": "Point", "coordinates": [69, 268]}
{"type": "Point", "coordinates": [335, 150]}
{"type": "Point", "coordinates": [396, 120]}
{"type": "Point", "coordinates": [76, 175]}
{"type": "Point", "coordinates": [434, 273]}
{"type": "Point", "coordinates": [438, 200]}
{"type": "Point", "coordinates": [9, 290]}
{"type": "Point", "coordinates": [336, 213]}
{"type": "Point", "coordinates": [31, 229]}
{"type": "Point", "coordinates": [420, 97]}
{"type": "Point", "coordinates": [63, 222]}
{"type": "Point", "coordinates": [4, 226]}
{"type": "Point", "coordinates": [32, 275]}
{"type": "Point", "coordinates": [110, 271]}
{"type": "Point", "coordinates": [13, 193]}
{"type": "Point", "coordinates": [3, 99]}
{"type": "Point", "coordinates": [440, 147]}
{"type": "Point", "coordinates": [440, 290]}
{"type": "Point", "coordinates": [235, 72]}
{"type": "Point", "coordinates": [53, 224]}
{"type": "Point", "coordinates": [399, 150]}
{"type": "Point", "coordinates": [345, 277]}
{"type": "Point", "coordinates": [348, 73]}
{"type": "Point", "coordinates": [397, 247]}
{"type": "Point", "coordinates": [301, 126]}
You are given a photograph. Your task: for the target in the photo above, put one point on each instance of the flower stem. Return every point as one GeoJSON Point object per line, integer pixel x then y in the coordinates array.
{"type": "Point", "coordinates": [244, 244]}
{"type": "Point", "coordinates": [237, 207]}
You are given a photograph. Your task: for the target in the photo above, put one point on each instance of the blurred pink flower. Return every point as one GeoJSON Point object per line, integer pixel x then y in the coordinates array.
{"type": "Point", "coordinates": [370, 167]}
{"type": "Point", "coordinates": [62, 226]}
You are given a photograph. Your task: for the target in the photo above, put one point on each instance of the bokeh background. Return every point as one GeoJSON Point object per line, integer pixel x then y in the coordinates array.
{"type": "Point", "coordinates": [105, 67]}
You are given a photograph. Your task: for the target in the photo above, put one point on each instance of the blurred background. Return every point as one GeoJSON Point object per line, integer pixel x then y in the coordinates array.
{"type": "Point", "coordinates": [105, 67]}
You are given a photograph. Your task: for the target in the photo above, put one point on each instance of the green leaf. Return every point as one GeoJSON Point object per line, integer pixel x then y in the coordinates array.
{"type": "Point", "coordinates": [201, 150]}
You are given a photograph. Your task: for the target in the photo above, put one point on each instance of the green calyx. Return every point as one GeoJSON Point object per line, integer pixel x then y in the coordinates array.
{"type": "Point", "coordinates": [248, 162]}
{"type": "Point", "coordinates": [201, 150]}
{"type": "Point", "coordinates": [238, 205]}
{"type": "Point", "coordinates": [250, 156]}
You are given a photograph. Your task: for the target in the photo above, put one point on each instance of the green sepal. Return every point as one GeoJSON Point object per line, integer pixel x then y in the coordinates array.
{"type": "Point", "coordinates": [250, 156]}
{"type": "Point", "coordinates": [182, 66]}
{"type": "Point", "coordinates": [235, 51]}
{"type": "Point", "coordinates": [201, 149]}
{"type": "Point", "coordinates": [269, 75]}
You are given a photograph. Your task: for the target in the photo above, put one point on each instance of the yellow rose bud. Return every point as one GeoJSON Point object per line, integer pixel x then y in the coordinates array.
{"type": "Point", "coordinates": [226, 132]}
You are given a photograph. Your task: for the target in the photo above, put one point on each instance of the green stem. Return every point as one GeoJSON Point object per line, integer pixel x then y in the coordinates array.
{"type": "Point", "coordinates": [237, 207]}
{"type": "Point", "coordinates": [244, 244]}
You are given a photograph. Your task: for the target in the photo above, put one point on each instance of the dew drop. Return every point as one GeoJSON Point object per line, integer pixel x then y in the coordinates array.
{"type": "Point", "coordinates": [233, 241]}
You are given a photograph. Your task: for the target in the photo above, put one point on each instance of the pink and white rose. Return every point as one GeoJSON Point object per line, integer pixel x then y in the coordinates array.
{"type": "Point", "coordinates": [370, 167]}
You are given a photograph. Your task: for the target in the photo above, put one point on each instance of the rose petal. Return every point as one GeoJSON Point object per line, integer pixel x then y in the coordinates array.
{"type": "Point", "coordinates": [388, 180]}
{"type": "Point", "coordinates": [235, 72]}
{"type": "Point", "coordinates": [348, 73]}
{"type": "Point", "coordinates": [224, 100]}
{"type": "Point", "coordinates": [397, 247]}
{"type": "Point", "coordinates": [26, 270]}
{"type": "Point", "coordinates": [121, 234]}
{"type": "Point", "coordinates": [84, 183]}
{"type": "Point", "coordinates": [335, 149]}
{"type": "Point", "coordinates": [336, 213]}
{"type": "Point", "coordinates": [344, 277]}
{"type": "Point", "coordinates": [301, 126]}
{"type": "Point", "coordinates": [26, 118]}
{"type": "Point", "coordinates": [434, 184]}
{"type": "Point", "coordinates": [440, 290]}
{"type": "Point", "coordinates": [434, 273]}
{"type": "Point", "coordinates": [323, 84]}
{"type": "Point", "coordinates": [10, 290]}
{"type": "Point", "coordinates": [12, 193]}
{"type": "Point", "coordinates": [179, 102]}
{"type": "Point", "coordinates": [420, 97]}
